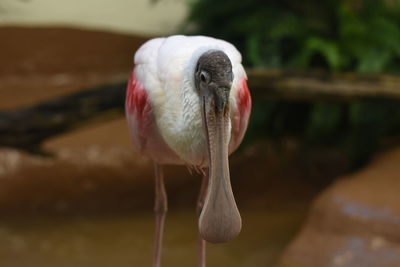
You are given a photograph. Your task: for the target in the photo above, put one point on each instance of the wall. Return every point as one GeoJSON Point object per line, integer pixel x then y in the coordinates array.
{"type": "Point", "coordinates": [129, 16]}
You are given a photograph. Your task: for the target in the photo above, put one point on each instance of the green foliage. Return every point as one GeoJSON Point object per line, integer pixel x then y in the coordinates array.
{"type": "Point", "coordinates": [334, 35]}
{"type": "Point", "coordinates": [338, 35]}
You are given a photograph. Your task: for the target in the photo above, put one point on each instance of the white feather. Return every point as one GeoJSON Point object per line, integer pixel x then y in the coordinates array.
{"type": "Point", "coordinates": [165, 67]}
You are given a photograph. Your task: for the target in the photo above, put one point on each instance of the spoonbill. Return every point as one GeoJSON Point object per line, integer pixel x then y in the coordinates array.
{"type": "Point", "coordinates": [188, 103]}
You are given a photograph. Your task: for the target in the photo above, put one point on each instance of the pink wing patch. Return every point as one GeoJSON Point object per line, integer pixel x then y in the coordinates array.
{"type": "Point", "coordinates": [244, 97]}
{"type": "Point", "coordinates": [136, 96]}
{"type": "Point", "coordinates": [241, 115]}
{"type": "Point", "coordinates": [143, 129]}
{"type": "Point", "coordinates": [138, 110]}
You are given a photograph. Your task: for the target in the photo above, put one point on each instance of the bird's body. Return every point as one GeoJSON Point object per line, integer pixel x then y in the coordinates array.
{"type": "Point", "coordinates": [163, 109]}
{"type": "Point", "coordinates": [188, 103]}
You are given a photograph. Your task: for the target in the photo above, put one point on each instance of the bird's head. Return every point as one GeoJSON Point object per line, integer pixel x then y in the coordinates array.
{"type": "Point", "coordinates": [213, 78]}
{"type": "Point", "coordinates": [220, 219]}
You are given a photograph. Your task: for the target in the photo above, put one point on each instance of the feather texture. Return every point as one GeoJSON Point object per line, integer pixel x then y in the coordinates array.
{"type": "Point", "coordinates": [164, 73]}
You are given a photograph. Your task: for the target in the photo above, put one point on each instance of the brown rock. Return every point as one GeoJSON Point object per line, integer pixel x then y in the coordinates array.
{"type": "Point", "coordinates": [93, 178]}
{"type": "Point", "coordinates": [89, 170]}
{"type": "Point", "coordinates": [43, 63]}
{"type": "Point", "coordinates": [355, 222]}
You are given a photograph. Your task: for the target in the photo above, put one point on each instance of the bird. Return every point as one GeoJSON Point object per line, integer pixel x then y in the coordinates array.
{"type": "Point", "coordinates": [188, 103]}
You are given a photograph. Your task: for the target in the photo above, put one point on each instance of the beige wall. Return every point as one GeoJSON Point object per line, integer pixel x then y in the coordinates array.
{"type": "Point", "coordinates": [131, 16]}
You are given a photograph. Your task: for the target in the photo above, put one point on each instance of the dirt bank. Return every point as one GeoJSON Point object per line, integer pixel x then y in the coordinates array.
{"type": "Point", "coordinates": [42, 63]}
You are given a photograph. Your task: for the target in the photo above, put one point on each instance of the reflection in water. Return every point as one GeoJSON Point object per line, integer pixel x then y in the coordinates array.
{"type": "Point", "coordinates": [127, 240]}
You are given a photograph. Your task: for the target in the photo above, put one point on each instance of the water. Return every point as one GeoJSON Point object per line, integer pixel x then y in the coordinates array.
{"type": "Point", "coordinates": [127, 240]}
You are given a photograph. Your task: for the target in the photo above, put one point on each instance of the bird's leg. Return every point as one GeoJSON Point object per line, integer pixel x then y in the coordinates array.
{"type": "Point", "coordinates": [160, 209]}
{"type": "Point", "coordinates": [200, 204]}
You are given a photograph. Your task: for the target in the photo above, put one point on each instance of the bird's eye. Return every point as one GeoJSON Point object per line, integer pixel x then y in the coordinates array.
{"type": "Point", "coordinates": [204, 77]}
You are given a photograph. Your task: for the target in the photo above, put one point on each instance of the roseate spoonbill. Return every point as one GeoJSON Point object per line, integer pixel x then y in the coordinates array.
{"type": "Point", "coordinates": [188, 103]}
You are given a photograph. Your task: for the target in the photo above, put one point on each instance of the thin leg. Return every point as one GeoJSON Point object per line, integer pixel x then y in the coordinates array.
{"type": "Point", "coordinates": [200, 203]}
{"type": "Point", "coordinates": [160, 209]}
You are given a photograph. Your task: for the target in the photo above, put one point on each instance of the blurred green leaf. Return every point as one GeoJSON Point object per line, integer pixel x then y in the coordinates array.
{"type": "Point", "coordinates": [335, 35]}
{"type": "Point", "coordinates": [316, 46]}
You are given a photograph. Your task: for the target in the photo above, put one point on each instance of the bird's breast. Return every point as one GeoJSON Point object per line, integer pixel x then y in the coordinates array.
{"type": "Point", "coordinates": [180, 123]}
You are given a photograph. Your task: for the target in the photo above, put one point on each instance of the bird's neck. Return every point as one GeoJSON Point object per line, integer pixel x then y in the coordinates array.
{"type": "Point", "coordinates": [180, 118]}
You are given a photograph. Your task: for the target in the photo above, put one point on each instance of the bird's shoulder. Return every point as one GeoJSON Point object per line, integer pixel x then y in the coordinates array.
{"type": "Point", "coordinates": [160, 50]}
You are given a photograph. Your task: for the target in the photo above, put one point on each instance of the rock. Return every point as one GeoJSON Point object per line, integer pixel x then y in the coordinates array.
{"type": "Point", "coordinates": [355, 222]}
{"type": "Point", "coordinates": [91, 169]}
{"type": "Point", "coordinates": [43, 63]}
{"type": "Point", "coordinates": [93, 178]}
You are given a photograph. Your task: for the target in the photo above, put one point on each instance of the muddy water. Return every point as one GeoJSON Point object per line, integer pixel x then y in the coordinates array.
{"type": "Point", "coordinates": [127, 240]}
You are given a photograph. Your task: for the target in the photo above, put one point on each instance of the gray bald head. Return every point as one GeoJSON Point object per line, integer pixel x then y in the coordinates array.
{"type": "Point", "coordinates": [214, 76]}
